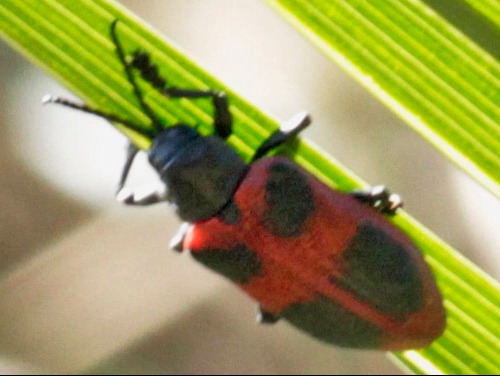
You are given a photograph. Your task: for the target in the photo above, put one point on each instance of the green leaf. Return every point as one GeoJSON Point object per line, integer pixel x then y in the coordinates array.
{"type": "Point", "coordinates": [489, 8]}
{"type": "Point", "coordinates": [70, 39]}
{"type": "Point", "coordinates": [430, 74]}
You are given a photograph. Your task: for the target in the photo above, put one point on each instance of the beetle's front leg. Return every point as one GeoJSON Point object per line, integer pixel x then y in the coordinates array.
{"type": "Point", "coordinates": [150, 196]}
{"type": "Point", "coordinates": [129, 197]}
{"type": "Point", "coordinates": [149, 71]}
{"type": "Point", "coordinates": [379, 198]}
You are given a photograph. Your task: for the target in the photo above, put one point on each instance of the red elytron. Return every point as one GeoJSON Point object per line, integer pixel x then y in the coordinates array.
{"type": "Point", "coordinates": [348, 276]}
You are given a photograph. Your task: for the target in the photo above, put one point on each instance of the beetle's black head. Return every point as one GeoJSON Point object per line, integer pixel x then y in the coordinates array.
{"type": "Point", "coordinates": [201, 173]}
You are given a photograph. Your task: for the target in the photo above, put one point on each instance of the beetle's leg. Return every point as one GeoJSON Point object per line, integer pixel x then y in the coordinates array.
{"type": "Point", "coordinates": [131, 153]}
{"type": "Point", "coordinates": [176, 242]}
{"type": "Point", "coordinates": [126, 195]}
{"type": "Point", "coordinates": [223, 123]}
{"type": "Point", "coordinates": [149, 72]}
{"type": "Point", "coordinates": [379, 198]}
{"type": "Point", "coordinates": [266, 317]}
{"type": "Point", "coordinates": [287, 131]}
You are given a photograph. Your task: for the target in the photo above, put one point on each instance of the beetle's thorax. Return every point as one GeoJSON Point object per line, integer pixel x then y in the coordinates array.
{"type": "Point", "coordinates": [201, 173]}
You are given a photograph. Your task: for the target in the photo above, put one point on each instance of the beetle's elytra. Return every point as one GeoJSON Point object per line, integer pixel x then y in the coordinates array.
{"type": "Point", "coordinates": [329, 263]}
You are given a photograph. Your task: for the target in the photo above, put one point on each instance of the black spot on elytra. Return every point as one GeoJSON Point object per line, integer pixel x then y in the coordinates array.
{"type": "Point", "coordinates": [329, 321]}
{"type": "Point", "coordinates": [230, 213]}
{"type": "Point", "coordinates": [378, 270]}
{"type": "Point", "coordinates": [238, 263]}
{"type": "Point", "coordinates": [289, 198]}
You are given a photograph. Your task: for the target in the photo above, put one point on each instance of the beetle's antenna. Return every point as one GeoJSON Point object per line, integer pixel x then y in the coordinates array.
{"type": "Point", "coordinates": [130, 76]}
{"type": "Point", "coordinates": [83, 107]}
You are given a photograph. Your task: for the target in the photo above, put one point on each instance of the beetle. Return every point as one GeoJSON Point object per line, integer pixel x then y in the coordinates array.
{"type": "Point", "coordinates": [328, 262]}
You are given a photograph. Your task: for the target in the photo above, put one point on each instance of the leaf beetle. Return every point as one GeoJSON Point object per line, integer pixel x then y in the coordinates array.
{"type": "Point", "coordinates": [330, 263]}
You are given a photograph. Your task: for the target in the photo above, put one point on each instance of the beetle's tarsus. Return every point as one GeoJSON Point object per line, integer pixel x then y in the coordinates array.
{"type": "Point", "coordinates": [129, 197]}
{"type": "Point", "coordinates": [380, 199]}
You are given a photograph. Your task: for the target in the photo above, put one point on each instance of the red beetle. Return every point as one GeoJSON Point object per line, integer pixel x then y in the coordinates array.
{"type": "Point", "coordinates": [329, 263]}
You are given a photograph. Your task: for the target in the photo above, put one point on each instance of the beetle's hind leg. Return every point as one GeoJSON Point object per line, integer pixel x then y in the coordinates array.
{"type": "Point", "coordinates": [380, 199]}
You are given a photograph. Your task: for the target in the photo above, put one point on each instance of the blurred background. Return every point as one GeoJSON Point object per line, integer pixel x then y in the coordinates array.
{"type": "Point", "coordinates": [89, 286]}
